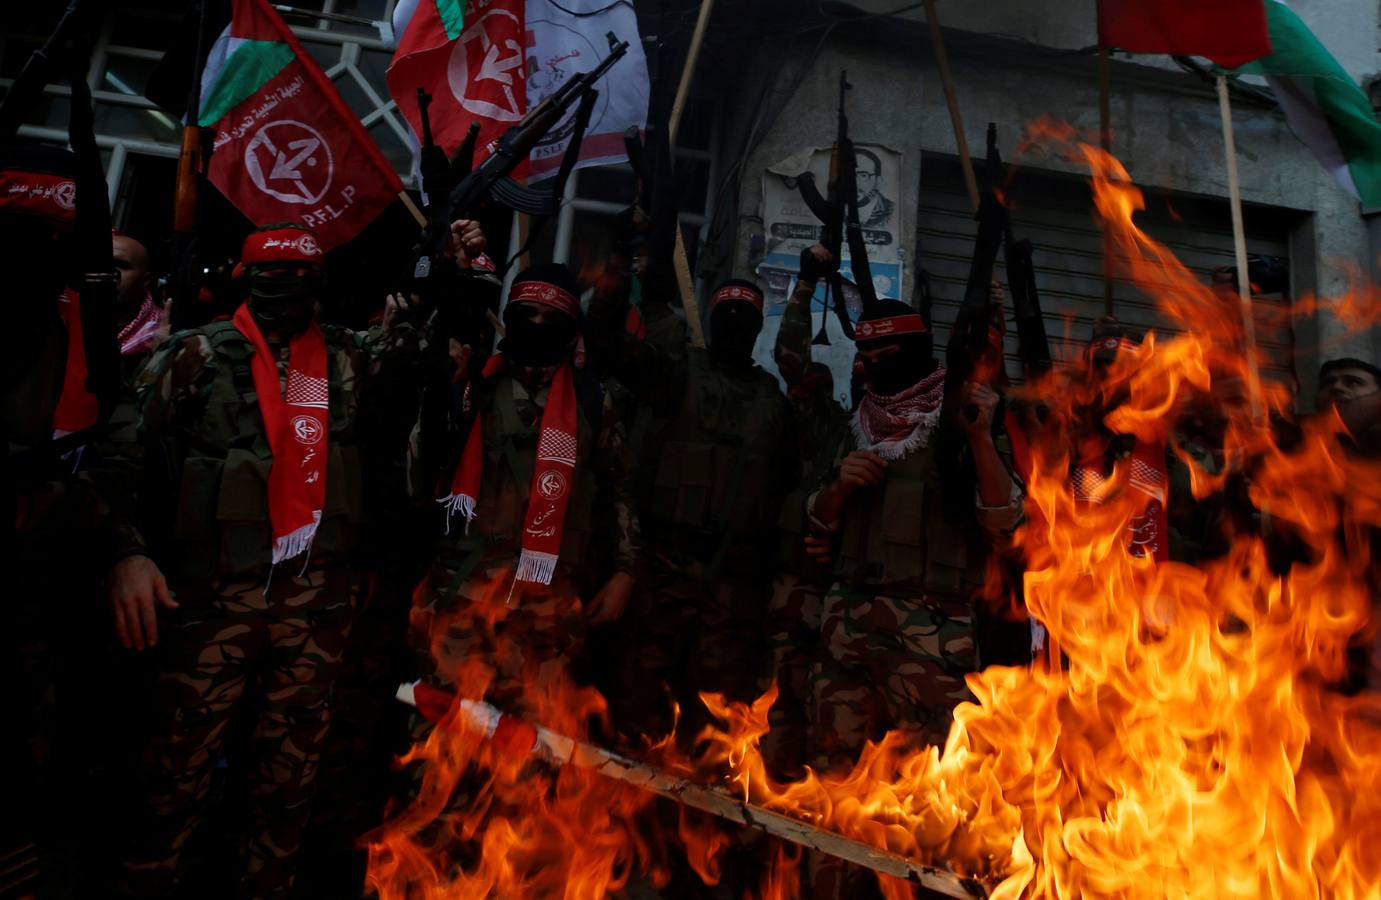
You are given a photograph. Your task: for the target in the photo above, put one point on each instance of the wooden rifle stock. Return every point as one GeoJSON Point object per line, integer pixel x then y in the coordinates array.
{"type": "Point", "coordinates": [188, 168]}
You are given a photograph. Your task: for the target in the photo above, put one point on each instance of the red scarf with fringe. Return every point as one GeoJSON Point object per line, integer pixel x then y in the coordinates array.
{"type": "Point", "coordinates": [553, 474]}
{"type": "Point", "coordinates": [297, 422]}
{"type": "Point", "coordinates": [1150, 529]}
{"type": "Point", "coordinates": [77, 408]}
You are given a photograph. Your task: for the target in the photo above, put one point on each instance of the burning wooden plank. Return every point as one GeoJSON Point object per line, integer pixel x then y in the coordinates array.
{"type": "Point", "coordinates": [518, 736]}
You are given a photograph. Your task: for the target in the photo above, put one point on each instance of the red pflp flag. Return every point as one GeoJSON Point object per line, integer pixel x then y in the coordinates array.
{"type": "Point", "coordinates": [472, 63]}
{"type": "Point", "coordinates": [1232, 33]}
{"type": "Point", "coordinates": [287, 147]}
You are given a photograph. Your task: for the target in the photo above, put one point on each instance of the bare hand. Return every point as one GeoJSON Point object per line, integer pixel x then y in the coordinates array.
{"type": "Point", "coordinates": [467, 241]}
{"type": "Point", "coordinates": [460, 355]}
{"type": "Point", "coordinates": [862, 468]}
{"type": "Point", "coordinates": [134, 585]}
{"type": "Point", "coordinates": [165, 324]}
{"type": "Point", "coordinates": [818, 548]}
{"type": "Point", "coordinates": [398, 307]}
{"type": "Point", "coordinates": [815, 263]}
{"type": "Point", "coordinates": [973, 395]}
{"type": "Point", "coordinates": [611, 600]}
{"type": "Point", "coordinates": [995, 292]}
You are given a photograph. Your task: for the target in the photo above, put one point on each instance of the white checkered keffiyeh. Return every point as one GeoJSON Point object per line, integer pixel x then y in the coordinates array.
{"type": "Point", "coordinates": [305, 390]}
{"type": "Point", "coordinates": [557, 446]}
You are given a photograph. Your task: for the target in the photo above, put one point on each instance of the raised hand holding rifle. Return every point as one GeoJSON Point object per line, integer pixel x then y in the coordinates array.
{"type": "Point", "coordinates": [490, 178]}
{"type": "Point", "coordinates": [968, 341]}
{"type": "Point", "coordinates": [838, 213]}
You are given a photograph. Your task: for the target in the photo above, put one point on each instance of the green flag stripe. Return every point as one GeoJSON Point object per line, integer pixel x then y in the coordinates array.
{"type": "Point", "coordinates": [251, 65]}
{"type": "Point", "coordinates": [452, 13]}
{"type": "Point", "coordinates": [1325, 106]}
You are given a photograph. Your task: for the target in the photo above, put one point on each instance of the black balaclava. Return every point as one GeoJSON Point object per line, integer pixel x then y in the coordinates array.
{"type": "Point", "coordinates": [547, 344]}
{"type": "Point", "coordinates": [284, 262]}
{"type": "Point", "coordinates": [735, 321]}
{"type": "Point", "coordinates": [898, 371]}
{"type": "Point", "coordinates": [284, 303]}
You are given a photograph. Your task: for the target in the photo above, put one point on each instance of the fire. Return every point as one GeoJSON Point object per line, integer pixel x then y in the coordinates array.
{"type": "Point", "coordinates": [490, 820]}
{"type": "Point", "coordinates": [1186, 739]}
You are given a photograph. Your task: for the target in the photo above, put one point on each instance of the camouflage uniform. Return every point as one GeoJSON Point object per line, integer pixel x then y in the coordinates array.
{"type": "Point", "coordinates": [712, 475]}
{"type": "Point", "coordinates": [897, 635]}
{"type": "Point", "coordinates": [464, 608]}
{"type": "Point", "coordinates": [206, 467]}
{"type": "Point", "coordinates": [897, 631]}
{"type": "Point", "coordinates": [798, 590]}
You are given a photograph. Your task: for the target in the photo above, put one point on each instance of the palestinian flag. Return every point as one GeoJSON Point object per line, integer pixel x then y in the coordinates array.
{"type": "Point", "coordinates": [1229, 32]}
{"type": "Point", "coordinates": [471, 61]}
{"type": "Point", "coordinates": [1324, 106]}
{"type": "Point", "coordinates": [287, 148]}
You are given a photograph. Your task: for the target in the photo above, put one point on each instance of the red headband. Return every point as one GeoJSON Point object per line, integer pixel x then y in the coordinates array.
{"type": "Point", "coordinates": [281, 245]}
{"type": "Point", "coordinates": [1110, 343]}
{"type": "Point", "coordinates": [52, 197]}
{"type": "Point", "coordinates": [544, 293]}
{"type": "Point", "coordinates": [737, 292]}
{"type": "Point", "coordinates": [873, 329]}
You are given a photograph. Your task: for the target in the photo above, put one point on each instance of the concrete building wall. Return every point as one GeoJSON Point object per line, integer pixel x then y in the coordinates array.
{"type": "Point", "coordinates": [1165, 122]}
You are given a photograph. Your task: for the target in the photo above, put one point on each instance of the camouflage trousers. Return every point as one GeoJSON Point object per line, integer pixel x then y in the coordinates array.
{"type": "Point", "coordinates": [686, 634]}
{"type": "Point", "coordinates": [214, 649]}
{"type": "Point", "coordinates": [793, 644]}
{"type": "Point", "coordinates": [526, 638]}
{"type": "Point", "coordinates": [887, 662]}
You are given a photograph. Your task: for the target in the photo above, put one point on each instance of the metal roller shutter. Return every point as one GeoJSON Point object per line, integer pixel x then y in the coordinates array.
{"type": "Point", "coordinates": [1055, 212]}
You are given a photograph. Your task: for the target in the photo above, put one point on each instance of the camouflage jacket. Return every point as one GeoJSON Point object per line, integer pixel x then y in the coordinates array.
{"type": "Point", "coordinates": [204, 505]}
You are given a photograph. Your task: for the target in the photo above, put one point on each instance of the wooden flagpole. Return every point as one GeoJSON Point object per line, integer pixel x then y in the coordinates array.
{"type": "Point", "coordinates": [559, 750]}
{"type": "Point", "coordinates": [680, 260]}
{"type": "Point", "coordinates": [1105, 141]}
{"type": "Point", "coordinates": [1239, 241]}
{"type": "Point", "coordinates": [937, 42]}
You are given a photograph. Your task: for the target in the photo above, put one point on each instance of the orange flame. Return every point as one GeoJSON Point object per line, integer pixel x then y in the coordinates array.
{"type": "Point", "coordinates": [1188, 740]}
{"type": "Point", "coordinates": [1189, 743]}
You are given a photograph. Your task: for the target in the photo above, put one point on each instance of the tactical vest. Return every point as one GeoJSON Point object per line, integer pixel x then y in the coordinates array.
{"type": "Point", "coordinates": [510, 452]}
{"type": "Point", "coordinates": [894, 535]}
{"type": "Point", "coordinates": [221, 525]}
{"type": "Point", "coordinates": [716, 474]}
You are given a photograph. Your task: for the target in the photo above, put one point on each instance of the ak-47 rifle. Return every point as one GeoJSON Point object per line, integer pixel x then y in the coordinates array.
{"type": "Point", "coordinates": [94, 277]}
{"type": "Point", "coordinates": [37, 72]}
{"type": "Point", "coordinates": [491, 179]}
{"type": "Point", "coordinates": [439, 174]}
{"type": "Point", "coordinates": [1032, 344]}
{"type": "Point", "coordinates": [838, 213]}
{"type": "Point", "coordinates": [969, 338]}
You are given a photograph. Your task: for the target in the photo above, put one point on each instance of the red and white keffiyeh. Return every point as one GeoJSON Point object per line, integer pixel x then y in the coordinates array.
{"type": "Point", "coordinates": [893, 426]}
{"type": "Point", "coordinates": [297, 422]}
{"type": "Point", "coordinates": [141, 334]}
{"type": "Point", "coordinates": [552, 477]}
{"type": "Point", "coordinates": [1150, 528]}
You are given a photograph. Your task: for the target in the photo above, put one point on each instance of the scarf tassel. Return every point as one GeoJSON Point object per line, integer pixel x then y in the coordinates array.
{"type": "Point", "coordinates": [536, 566]}
{"type": "Point", "coordinates": [458, 504]}
{"type": "Point", "coordinates": [297, 542]}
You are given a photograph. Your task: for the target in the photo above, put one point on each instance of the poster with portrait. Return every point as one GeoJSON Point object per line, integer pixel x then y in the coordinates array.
{"type": "Point", "coordinates": [789, 227]}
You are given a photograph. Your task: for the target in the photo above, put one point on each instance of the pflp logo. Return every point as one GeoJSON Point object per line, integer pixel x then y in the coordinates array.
{"type": "Point", "coordinates": [486, 67]}
{"type": "Point", "coordinates": [290, 161]}
{"type": "Point", "coordinates": [307, 246]}
{"type": "Point", "coordinates": [307, 430]}
{"type": "Point", "coordinates": [65, 195]}
{"type": "Point", "coordinates": [551, 485]}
